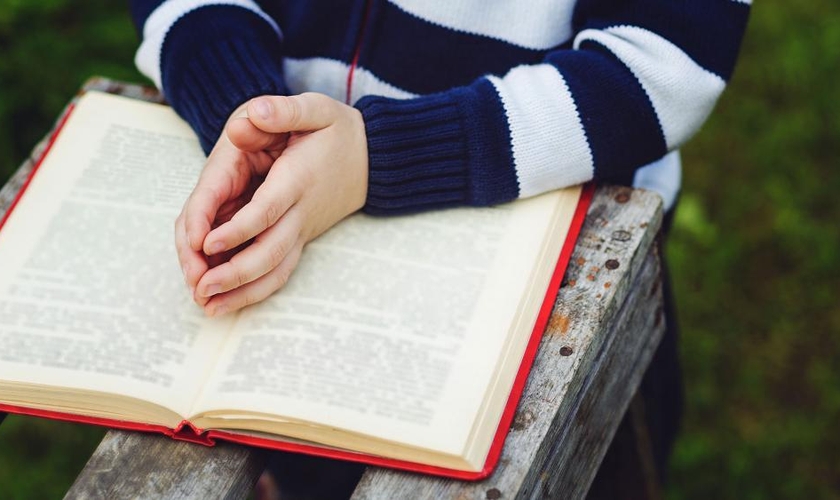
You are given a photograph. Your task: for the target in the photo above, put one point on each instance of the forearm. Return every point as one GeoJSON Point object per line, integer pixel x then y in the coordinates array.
{"type": "Point", "coordinates": [208, 58]}
{"type": "Point", "coordinates": [639, 80]}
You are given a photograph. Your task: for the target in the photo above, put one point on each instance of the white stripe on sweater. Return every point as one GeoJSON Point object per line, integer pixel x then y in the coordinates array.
{"type": "Point", "coordinates": [541, 24]}
{"type": "Point", "coordinates": [159, 22]}
{"type": "Point", "coordinates": [329, 76]}
{"type": "Point", "coordinates": [549, 144]}
{"type": "Point", "coordinates": [682, 92]}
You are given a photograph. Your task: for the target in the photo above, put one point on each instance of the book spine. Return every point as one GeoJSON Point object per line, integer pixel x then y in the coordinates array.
{"type": "Point", "coordinates": [186, 431]}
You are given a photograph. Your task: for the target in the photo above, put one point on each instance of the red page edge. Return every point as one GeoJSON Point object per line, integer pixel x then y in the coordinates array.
{"type": "Point", "coordinates": [187, 432]}
{"type": "Point", "coordinates": [578, 219]}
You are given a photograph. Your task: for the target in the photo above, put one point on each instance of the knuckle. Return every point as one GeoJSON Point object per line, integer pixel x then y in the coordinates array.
{"type": "Point", "coordinates": [264, 210]}
{"type": "Point", "coordinates": [240, 277]}
{"type": "Point", "coordinates": [271, 213]}
{"type": "Point", "coordinates": [240, 165]}
{"type": "Point", "coordinates": [292, 110]}
{"type": "Point", "coordinates": [301, 179]}
{"type": "Point", "coordinates": [181, 250]}
{"type": "Point", "coordinates": [316, 98]}
{"type": "Point", "coordinates": [281, 276]}
{"type": "Point", "coordinates": [207, 192]}
{"type": "Point", "coordinates": [241, 235]}
{"type": "Point", "coordinates": [276, 254]}
{"type": "Point", "coordinates": [182, 258]}
{"type": "Point", "coordinates": [249, 298]}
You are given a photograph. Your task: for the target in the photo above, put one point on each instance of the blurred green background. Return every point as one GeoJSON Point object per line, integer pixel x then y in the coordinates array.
{"type": "Point", "coordinates": [753, 251]}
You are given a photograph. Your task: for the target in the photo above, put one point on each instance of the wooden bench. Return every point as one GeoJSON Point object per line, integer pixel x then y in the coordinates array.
{"type": "Point", "coordinates": [603, 331]}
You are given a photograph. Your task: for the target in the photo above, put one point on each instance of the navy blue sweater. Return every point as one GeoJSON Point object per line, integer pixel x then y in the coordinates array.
{"type": "Point", "coordinates": [464, 101]}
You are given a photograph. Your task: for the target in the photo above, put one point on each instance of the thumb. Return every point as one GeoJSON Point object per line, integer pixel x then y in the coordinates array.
{"type": "Point", "coordinates": [298, 113]}
{"type": "Point", "coordinates": [247, 137]}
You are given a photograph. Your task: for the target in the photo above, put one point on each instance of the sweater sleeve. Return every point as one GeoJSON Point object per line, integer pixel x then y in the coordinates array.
{"type": "Point", "coordinates": [639, 79]}
{"type": "Point", "coordinates": [208, 57]}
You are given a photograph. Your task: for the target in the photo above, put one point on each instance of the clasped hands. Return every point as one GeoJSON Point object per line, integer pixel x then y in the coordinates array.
{"type": "Point", "coordinates": [285, 170]}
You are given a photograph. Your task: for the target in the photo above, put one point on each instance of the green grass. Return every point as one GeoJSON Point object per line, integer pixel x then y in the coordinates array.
{"type": "Point", "coordinates": [40, 459]}
{"type": "Point", "coordinates": [754, 250]}
{"type": "Point", "coordinates": [48, 48]}
{"type": "Point", "coordinates": [756, 269]}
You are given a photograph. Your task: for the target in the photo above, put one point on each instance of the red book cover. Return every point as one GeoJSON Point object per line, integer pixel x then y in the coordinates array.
{"type": "Point", "coordinates": [187, 432]}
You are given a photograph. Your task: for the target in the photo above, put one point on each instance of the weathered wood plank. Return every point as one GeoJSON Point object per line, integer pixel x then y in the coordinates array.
{"type": "Point", "coordinates": [583, 438]}
{"type": "Point", "coordinates": [597, 326]}
{"type": "Point", "coordinates": [628, 470]}
{"type": "Point", "coordinates": [10, 190]}
{"type": "Point", "coordinates": [599, 340]}
{"type": "Point", "coordinates": [137, 465]}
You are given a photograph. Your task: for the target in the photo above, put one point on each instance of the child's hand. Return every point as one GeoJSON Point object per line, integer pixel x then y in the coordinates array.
{"type": "Point", "coordinates": [278, 178]}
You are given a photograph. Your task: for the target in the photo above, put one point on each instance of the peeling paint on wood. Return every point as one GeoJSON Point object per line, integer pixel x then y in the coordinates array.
{"type": "Point", "coordinates": [558, 324]}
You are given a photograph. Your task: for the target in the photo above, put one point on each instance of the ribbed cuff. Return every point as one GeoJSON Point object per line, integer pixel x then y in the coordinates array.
{"type": "Point", "coordinates": [208, 70]}
{"type": "Point", "coordinates": [417, 153]}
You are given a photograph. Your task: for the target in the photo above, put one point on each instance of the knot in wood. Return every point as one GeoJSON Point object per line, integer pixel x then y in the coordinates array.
{"type": "Point", "coordinates": [566, 351]}
{"type": "Point", "coordinates": [493, 494]}
{"type": "Point", "coordinates": [522, 420]}
{"type": "Point", "coordinates": [621, 235]}
{"type": "Point", "coordinates": [622, 197]}
{"type": "Point", "coordinates": [611, 264]}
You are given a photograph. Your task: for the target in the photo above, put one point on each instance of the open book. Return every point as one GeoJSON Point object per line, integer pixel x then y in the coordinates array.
{"type": "Point", "coordinates": [401, 341]}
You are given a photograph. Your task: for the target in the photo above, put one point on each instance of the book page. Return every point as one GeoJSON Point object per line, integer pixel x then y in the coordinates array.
{"type": "Point", "coordinates": [91, 294]}
{"type": "Point", "coordinates": [390, 327]}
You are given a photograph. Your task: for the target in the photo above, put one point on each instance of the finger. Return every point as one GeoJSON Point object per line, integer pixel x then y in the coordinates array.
{"type": "Point", "coordinates": [299, 113]}
{"type": "Point", "coordinates": [281, 189]}
{"type": "Point", "coordinates": [266, 253]}
{"type": "Point", "coordinates": [247, 137]}
{"type": "Point", "coordinates": [257, 290]}
{"type": "Point", "coordinates": [215, 186]}
{"type": "Point", "coordinates": [230, 207]}
{"type": "Point", "coordinates": [192, 263]}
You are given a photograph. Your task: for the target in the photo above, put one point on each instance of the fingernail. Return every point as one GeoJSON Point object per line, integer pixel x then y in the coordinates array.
{"type": "Point", "coordinates": [217, 247]}
{"type": "Point", "coordinates": [262, 108]}
{"type": "Point", "coordinates": [211, 290]}
{"type": "Point", "coordinates": [220, 311]}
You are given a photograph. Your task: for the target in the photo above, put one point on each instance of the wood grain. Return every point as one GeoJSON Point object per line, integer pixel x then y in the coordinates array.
{"type": "Point", "coordinates": [136, 465]}
{"type": "Point", "coordinates": [604, 328]}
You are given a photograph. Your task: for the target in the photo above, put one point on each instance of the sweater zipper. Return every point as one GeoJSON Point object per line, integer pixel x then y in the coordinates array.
{"type": "Point", "coordinates": [357, 49]}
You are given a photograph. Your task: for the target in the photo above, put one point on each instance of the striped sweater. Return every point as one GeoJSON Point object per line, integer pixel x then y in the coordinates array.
{"type": "Point", "coordinates": [465, 101]}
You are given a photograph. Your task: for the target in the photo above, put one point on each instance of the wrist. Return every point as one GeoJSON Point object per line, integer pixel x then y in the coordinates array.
{"type": "Point", "coordinates": [362, 164]}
